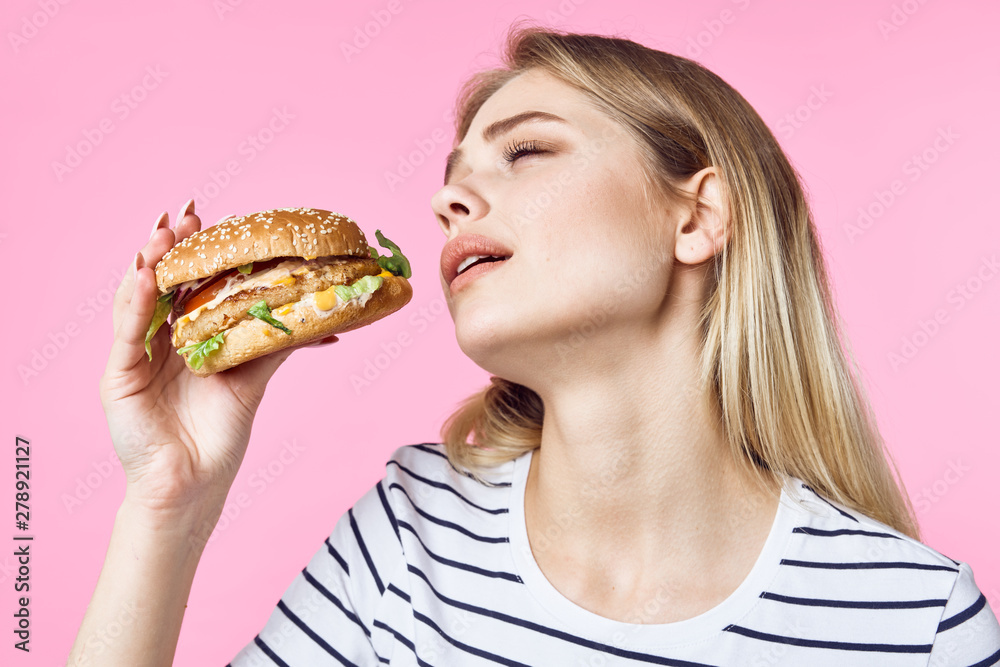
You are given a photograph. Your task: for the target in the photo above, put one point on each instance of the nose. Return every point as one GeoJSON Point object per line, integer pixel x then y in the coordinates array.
{"type": "Point", "coordinates": [456, 204]}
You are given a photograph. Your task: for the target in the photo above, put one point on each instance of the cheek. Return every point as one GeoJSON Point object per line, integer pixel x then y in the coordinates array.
{"type": "Point", "coordinates": [602, 221]}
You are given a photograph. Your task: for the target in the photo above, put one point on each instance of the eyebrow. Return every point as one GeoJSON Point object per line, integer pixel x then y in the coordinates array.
{"type": "Point", "coordinates": [498, 129]}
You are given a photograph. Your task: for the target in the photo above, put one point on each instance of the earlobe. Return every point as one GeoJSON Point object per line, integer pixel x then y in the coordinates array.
{"type": "Point", "coordinates": [704, 230]}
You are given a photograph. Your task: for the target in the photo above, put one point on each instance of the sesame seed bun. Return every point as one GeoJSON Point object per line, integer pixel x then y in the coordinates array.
{"type": "Point", "coordinates": [257, 237]}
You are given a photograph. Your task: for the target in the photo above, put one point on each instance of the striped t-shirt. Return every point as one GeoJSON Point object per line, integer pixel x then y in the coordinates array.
{"type": "Point", "coordinates": [432, 567]}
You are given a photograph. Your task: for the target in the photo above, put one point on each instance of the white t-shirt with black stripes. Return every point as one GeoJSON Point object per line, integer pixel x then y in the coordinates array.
{"type": "Point", "coordinates": [431, 567]}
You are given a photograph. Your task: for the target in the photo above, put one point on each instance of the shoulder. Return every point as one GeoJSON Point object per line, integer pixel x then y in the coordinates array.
{"type": "Point", "coordinates": [423, 472]}
{"type": "Point", "coordinates": [847, 581]}
{"type": "Point", "coordinates": [443, 512]}
{"type": "Point", "coordinates": [968, 633]}
{"type": "Point", "coordinates": [846, 535]}
{"type": "Point", "coordinates": [844, 552]}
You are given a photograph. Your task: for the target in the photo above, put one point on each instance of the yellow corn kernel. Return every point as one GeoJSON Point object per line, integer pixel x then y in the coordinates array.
{"type": "Point", "coordinates": [326, 299]}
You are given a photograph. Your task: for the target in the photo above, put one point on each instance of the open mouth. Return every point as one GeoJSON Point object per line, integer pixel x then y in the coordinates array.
{"type": "Point", "coordinates": [473, 260]}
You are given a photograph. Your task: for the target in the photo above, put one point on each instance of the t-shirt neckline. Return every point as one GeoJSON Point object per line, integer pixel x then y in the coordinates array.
{"type": "Point", "coordinates": [618, 633]}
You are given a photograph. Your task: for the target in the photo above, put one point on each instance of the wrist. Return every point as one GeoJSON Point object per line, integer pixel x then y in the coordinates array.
{"type": "Point", "coordinates": [190, 522]}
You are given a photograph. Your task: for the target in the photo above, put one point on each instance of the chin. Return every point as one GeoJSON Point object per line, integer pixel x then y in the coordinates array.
{"type": "Point", "coordinates": [502, 348]}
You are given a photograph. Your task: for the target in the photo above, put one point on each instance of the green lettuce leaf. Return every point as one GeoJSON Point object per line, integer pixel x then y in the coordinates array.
{"type": "Point", "coordinates": [163, 306]}
{"type": "Point", "coordinates": [201, 350]}
{"type": "Point", "coordinates": [262, 312]}
{"type": "Point", "coordinates": [397, 264]}
{"type": "Point", "coordinates": [363, 285]}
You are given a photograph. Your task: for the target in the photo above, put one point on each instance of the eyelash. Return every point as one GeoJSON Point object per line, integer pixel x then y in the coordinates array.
{"type": "Point", "coordinates": [517, 149]}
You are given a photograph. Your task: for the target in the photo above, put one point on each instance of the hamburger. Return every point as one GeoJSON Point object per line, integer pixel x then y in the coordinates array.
{"type": "Point", "coordinates": [255, 284]}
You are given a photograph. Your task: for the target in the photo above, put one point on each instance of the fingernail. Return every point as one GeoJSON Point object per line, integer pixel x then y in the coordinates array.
{"type": "Point", "coordinates": [187, 209]}
{"type": "Point", "coordinates": [136, 263]}
{"type": "Point", "coordinates": [161, 222]}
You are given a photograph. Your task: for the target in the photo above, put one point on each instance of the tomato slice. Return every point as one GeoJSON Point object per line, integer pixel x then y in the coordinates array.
{"type": "Point", "coordinates": [207, 293]}
{"type": "Point", "coordinates": [212, 289]}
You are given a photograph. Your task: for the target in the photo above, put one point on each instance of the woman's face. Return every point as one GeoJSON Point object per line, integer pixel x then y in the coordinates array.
{"type": "Point", "coordinates": [589, 262]}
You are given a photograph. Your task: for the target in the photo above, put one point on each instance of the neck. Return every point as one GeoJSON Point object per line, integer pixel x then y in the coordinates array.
{"type": "Point", "coordinates": [634, 469]}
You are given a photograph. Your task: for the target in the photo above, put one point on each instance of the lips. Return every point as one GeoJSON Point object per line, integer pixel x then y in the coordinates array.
{"type": "Point", "coordinates": [466, 245]}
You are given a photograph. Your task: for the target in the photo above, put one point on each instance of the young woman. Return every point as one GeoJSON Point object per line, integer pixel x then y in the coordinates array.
{"type": "Point", "coordinates": [674, 463]}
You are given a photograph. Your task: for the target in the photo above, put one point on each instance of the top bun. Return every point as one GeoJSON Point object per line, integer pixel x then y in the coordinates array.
{"type": "Point", "coordinates": [257, 237]}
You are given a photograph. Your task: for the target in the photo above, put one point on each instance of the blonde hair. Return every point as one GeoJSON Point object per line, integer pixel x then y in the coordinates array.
{"type": "Point", "coordinates": [772, 363]}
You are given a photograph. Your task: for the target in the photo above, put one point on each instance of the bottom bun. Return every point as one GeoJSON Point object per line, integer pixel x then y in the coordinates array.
{"type": "Point", "coordinates": [253, 338]}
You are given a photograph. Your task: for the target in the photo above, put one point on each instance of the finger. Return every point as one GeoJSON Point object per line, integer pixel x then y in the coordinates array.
{"type": "Point", "coordinates": [158, 245]}
{"type": "Point", "coordinates": [163, 220]}
{"type": "Point", "coordinates": [329, 340]}
{"type": "Point", "coordinates": [251, 377]}
{"type": "Point", "coordinates": [319, 342]}
{"type": "Point", "coordinates": [160, 242]}
{"type": "Point", "coordinates": [187, 222]}
{"type": "Point", "coordinates": [124, 292]}
{"type": "Point", "coordinates": [129, 346]}
{"type": "Point", "coordinates": [186, 209]}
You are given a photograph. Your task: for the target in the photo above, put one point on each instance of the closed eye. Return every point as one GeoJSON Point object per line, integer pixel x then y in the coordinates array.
{"type": "Point", "coordinates": [518, 149]}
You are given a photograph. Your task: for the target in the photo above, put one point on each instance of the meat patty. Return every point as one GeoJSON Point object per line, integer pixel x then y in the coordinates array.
{"type": "Point", "coordinates": [313, 276]}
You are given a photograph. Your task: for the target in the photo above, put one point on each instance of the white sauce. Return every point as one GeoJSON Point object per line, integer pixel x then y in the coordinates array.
{"type": "Point", "coordinates": [341, 304]}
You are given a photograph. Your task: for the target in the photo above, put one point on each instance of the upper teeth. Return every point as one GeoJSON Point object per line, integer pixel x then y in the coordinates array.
{"type": "Point", "coordinates": [473, 258]}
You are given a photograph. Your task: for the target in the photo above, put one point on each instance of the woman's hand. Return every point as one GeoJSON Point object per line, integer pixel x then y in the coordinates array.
{"type": "Point", "coordinates": [180, 438]}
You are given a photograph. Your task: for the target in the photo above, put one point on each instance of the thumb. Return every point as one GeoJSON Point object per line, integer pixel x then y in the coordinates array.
{"type": "Point", "coordinates": [256, 373]}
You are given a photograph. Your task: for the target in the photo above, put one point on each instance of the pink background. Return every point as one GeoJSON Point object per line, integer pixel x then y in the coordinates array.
{"type": "Point", "coordinates": [878, 98]}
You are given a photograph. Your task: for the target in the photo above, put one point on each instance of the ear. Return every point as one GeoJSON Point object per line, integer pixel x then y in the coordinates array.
{"type": "Point", "coordinates": [704, 229]}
